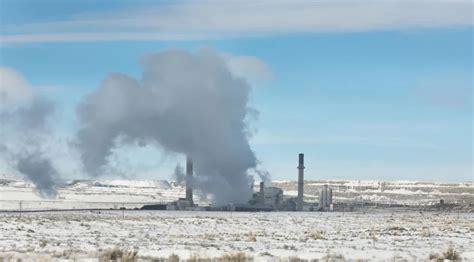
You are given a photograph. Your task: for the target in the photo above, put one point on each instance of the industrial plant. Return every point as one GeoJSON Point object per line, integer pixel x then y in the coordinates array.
{"type": "Point", "coordinates": [266, 198]}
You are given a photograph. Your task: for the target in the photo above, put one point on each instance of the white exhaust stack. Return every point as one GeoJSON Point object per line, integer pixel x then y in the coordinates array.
{"type": "Point", "coordinates": [189, 180]}
{"type": "Point", "coordinates": [299, 203]}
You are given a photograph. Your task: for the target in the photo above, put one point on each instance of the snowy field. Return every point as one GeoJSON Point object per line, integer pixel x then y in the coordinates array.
{"type": "Point", "coordinates": [379, 235]}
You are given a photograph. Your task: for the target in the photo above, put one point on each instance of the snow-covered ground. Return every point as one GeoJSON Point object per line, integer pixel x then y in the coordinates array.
{"type": "Point", "coordinates": [113, 194]}
{"type": "Point", "coordinates": [16, 193]}
{"type": "Point", "coordinates": [269, 236]}
{"type": "Point", "coordinates": [377, 234]}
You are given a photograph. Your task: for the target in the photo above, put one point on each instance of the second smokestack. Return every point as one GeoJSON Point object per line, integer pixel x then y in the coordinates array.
{"type": "Point", "coordinates": [189, 180]}
{"type": "Point", "coordinates": [299, 202]}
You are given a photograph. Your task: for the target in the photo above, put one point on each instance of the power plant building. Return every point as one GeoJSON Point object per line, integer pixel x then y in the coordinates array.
{"type": "Point", "coordinates": [263, 199]}
{"type": "Point", "coordinates": [269, 197]}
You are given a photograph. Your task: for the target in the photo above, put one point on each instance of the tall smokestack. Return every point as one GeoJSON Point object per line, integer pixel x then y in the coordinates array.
{"type": "Point", "coordinates": [262, 193]}
{"type": "Point", "coordinates": [299, 203]}
{"type": "Point", "coordinates": [189, 180]}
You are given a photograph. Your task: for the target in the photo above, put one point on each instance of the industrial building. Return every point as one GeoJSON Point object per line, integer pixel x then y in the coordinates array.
{"type": "Point", "coordinates": [186, 203]}
{"type": "Point", "coordinates": [266, 198]}
{"type": "Point", "coordinates": [325, 199]}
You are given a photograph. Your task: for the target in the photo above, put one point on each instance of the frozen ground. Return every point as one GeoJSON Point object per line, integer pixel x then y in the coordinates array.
{"type": "Point", "coordinates": [380, 235]}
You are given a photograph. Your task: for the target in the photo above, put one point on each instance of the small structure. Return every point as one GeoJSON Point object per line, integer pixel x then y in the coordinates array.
{"type": "Point", "coordinates": [268, 198]}
{"type": "Point", "coordinates": [382, 186]}
{"type": "Point", "coordinates": [273, 197]}
{"type": "Point", "coordinates": [325, 198]}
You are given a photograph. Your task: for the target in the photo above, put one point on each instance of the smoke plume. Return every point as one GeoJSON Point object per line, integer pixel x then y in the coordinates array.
{"type": "Point", "coordinates": [30, 118]}
{"type": "Point", "coordinates": [179, 175]}
{"type": "Point", "coordinates": [28, 129]}
{"type": "Point", "coordinates": [41, 172]}
{"type": "Point", "coordinates": [189, 103]}
{"type": "Point", "coordinates": [25, 129]}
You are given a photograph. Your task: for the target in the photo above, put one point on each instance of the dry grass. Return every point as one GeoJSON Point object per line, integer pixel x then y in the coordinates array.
{"type": "Point", "coordinates": [425, 232]}
{"type": "Point", "coordinates": [251, 237]}
{"type": "Point", "coordinates": [334, 258]}
{"type": "Point", "coordinates": [235, 257]}
{"type": "Point", "coordinates": [173, 258]}
{"type": "Point", "coordinates": [195, 258]}
{"type": "Point", "coordinates": [296, 259]}
{"type": "Point", "coordinates": [449, 254]}
{"type": "Point", "coordinates": [314, 234]}
{"type": "Point", "coordinates": [116, 254]}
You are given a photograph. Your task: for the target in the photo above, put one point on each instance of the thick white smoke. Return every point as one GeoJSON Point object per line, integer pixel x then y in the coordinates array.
{"type": "Point", "coordinates": [24, 130]}
{"type": "Point", "coordinates": [188, 103]}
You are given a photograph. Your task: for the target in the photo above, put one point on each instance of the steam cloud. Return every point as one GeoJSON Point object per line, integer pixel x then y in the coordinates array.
{"type": "Point", "coordinates": [188, 103]}
{"type": "Point", "coordinates": [30, 124]}
{"type": "Point", "coordinates": [179, 175]}
{"type": "Point", "coordinates": [28, 130]}
{"type": "Point", "coordinates": [25, 128]}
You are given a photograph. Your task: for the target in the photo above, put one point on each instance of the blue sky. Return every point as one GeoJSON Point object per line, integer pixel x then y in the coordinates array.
{"type": "Point", "coordinates": [363, 98]}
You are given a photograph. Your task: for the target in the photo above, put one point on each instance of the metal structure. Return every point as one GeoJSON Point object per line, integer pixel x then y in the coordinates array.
{"type": "Point", "coordinates": [189, 180]}
{"type": "Point", "coordinates": [299, 202]}
{"type": "Point", "coordinates": [325, 198]}
{"type": "Point", "coordinates": [262, 194]}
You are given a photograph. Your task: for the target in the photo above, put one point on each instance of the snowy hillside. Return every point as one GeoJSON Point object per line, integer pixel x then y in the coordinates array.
{"type": "Point", "coordinates": [106, 194]}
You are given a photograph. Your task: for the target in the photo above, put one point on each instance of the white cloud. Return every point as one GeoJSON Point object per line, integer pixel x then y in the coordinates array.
{"type": "Point", "coordinates": [251, 68]}
{"type": "Point", "coordinates": [14, 88]}
{"type": "Point", "coordinates": [205, 20]}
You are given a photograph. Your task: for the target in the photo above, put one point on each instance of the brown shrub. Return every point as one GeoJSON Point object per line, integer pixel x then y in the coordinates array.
{"type": "Point", "coordinates": [116, 254]}
{"type": "Point", "coordinates": [235, 257]}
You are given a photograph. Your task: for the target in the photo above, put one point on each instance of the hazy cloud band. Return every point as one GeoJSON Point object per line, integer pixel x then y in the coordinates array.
{"type": "Point", "coordinates": [208, 20]}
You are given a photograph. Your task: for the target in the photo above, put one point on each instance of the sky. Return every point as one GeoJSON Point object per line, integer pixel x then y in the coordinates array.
{"type": "Point", "coordinates": [366, 89]}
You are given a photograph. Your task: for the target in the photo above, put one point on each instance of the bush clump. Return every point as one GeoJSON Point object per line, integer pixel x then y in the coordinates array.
{"type": "Point", "coordinates": [449, 254]}
{"type": "Point", "coordinates": [235, 257]}
{"type": "Point", "coordinates": [173, 258]}
{"type": "Point", "coordinates": [116, 254]}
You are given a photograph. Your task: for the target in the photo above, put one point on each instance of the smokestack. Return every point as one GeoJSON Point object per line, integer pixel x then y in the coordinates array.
{"type": "Point", "coordinates": [299, 203]}
{"type": "Point", "coordinates": [330, 197]}
{"type": "Point", "coordinates": [262, 193]}
{"type": "Point", "coordinates": [189, 178]}
{"type": "Point", "coordinates": [325, 199]}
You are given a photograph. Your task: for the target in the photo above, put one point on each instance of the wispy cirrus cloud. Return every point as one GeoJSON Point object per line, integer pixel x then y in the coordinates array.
{"type": "Point", "coordinates": [211, 20]}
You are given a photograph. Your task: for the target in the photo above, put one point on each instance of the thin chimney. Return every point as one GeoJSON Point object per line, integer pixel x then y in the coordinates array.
{"type": "Point", "coordinates": [299, 203]}
{"type": "Point", "coordinates": [189, 180]}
